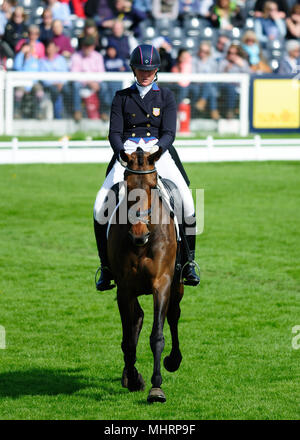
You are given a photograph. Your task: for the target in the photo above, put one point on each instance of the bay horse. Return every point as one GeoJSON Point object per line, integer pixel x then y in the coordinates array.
{"type": "Point", "coordinates": [142, 259]}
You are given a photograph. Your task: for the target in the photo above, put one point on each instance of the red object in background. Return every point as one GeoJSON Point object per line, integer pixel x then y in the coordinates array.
{"type": "Point", "coordinates": [92, 106]}
{"type": "Point", "coordinates": [78, 7]}
{"type": "Point", "coordinates": [184, 111]}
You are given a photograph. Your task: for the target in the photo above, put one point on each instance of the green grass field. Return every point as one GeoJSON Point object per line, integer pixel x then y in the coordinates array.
{"type": "Point", "coordinates": [63, 358]}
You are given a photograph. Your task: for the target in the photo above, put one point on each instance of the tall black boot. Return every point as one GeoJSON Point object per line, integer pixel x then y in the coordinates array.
{"type": "Point", "coordinates": [189, 242]}
{"type": "Point", "coordinates": [105, 276]}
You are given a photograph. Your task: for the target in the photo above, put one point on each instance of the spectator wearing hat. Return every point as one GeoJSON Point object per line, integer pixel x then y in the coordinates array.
{"type": "Point", "coordinates": [88, 60]}
{"type": "Point", "coordinates": [90, 29]}
{"type": "Point", "coordinates": [290, 64]}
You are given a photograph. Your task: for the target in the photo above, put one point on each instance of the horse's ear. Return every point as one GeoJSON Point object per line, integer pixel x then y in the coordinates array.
{"type": "Point", "coordinates": [124, 156]}
{"type": "Point", "coordinates": [155, 155]}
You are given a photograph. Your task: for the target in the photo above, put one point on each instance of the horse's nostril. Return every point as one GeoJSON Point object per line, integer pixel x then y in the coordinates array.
{"type": "Point", "coordinates": [139, 238]}
{"type": "Point", "coordinates": [139, 241]}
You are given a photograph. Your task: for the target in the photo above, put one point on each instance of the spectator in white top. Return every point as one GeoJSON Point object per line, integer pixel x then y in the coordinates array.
{"type": "Point", "coordinates": [204, 8]}
{"type": "Point", "coordinates": [60, 11]}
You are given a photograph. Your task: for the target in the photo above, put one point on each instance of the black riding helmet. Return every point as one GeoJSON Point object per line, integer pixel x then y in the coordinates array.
{"type": "Point", "coordinates": [145, 57]}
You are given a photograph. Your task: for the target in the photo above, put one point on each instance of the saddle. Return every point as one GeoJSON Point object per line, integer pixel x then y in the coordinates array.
{"type": "Point", "coordinates": [172, 196]}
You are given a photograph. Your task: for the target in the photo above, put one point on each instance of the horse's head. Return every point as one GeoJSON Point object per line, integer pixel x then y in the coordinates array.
{"type": "Point", "coordinates": [141, 164]}
{"type": "Point", "coordinates": [141, 177]}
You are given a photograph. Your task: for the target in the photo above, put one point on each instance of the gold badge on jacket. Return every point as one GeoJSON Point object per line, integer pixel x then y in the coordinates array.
{"type": "Point", "coordinates": [156, 111]}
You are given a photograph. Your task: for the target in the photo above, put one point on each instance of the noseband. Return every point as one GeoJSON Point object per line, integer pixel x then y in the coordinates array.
{"type": "Point", "coordinates": [130, 170]}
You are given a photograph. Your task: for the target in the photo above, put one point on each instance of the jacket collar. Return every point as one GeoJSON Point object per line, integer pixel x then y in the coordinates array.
{"type": "Point", "coordinates": [154, 87]}
{"type": "Point", "coordinates": [145, 102]}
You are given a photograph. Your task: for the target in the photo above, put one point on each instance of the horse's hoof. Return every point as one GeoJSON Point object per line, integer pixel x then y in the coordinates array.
{"type": "Point", "coordinates": [137, 384]}
{"type": "Point", "coordinates": [156, 395]}
{"type": "Point", "coordinates": [172, 365]}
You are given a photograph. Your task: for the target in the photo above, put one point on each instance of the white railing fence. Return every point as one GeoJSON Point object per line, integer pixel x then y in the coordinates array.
{"type": "Point", "coordinates": [11, 81]}
{"type": "Point", "coordinates": [206, 150]}
{"type": "Point", "coordinates": [2, 88]}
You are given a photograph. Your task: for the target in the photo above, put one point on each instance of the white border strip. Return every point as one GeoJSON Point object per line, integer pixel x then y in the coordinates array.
{"type": "Point", "coordinates": [204, 150]}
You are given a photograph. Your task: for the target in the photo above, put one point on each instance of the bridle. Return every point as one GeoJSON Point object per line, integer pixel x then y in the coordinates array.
{"type": "Point", "coordinates": [130, 170]}
{"type": "Point", "coordinates": [143, 215]}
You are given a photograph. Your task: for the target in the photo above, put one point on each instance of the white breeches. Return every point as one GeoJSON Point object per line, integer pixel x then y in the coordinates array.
{"type": "Point", "coordinates": [166, 168]}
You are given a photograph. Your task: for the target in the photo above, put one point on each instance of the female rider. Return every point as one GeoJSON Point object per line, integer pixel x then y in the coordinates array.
{"type": "Point", "coordinates": [144, 115]}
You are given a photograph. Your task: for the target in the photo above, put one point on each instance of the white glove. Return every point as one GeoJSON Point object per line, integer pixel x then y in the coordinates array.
{"type": "Point", "coordinates": [122, 162]}
{"type": "Point", "coordinates": [154, 149]}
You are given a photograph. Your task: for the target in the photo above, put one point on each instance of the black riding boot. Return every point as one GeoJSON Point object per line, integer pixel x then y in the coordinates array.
{"type": "Point", "coordinates": [189, 274]}
{"type": "Point", "coordinates": [106, 276]}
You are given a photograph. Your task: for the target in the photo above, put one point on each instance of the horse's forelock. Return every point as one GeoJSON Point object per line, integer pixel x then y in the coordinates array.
{"type": "Point", "coordinates": [140, 156]}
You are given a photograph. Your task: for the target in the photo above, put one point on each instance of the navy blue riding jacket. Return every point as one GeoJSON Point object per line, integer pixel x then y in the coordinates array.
{"type": "Point", "coordinates": [133, 118]}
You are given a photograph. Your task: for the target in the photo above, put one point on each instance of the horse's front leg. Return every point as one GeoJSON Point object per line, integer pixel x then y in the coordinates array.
{"type": "Point", "coordinates": [132, 321]}
{"type": "Point", "coordinates": [161, 295]}
{"type": "Point", "coordinates": [172, 362]}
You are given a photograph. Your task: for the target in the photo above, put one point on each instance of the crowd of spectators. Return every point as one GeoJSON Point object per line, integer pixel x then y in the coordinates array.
{"type": "Point", "coordinates": [192, 36]}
